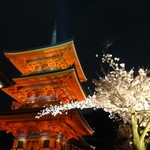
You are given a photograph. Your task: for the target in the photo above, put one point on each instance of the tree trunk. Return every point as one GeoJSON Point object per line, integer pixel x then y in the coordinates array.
{"type": "Point", "coordinates": [138, 143]}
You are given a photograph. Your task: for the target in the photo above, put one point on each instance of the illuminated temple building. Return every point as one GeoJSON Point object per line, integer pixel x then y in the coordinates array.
{"type": "Point", "coordinates": [50, 76]}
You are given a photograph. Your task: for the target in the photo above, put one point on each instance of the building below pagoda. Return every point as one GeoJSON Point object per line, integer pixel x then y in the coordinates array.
{"type": "Point", "coordinates": [50, 76]}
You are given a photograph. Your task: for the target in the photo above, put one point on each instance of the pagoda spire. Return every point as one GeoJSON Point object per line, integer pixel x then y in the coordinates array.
{"type": "Point", "coordinates": [54, 34]}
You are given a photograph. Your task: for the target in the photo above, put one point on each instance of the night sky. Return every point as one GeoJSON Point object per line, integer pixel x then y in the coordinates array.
{"type": "Point", "coordinates": [90, 23]}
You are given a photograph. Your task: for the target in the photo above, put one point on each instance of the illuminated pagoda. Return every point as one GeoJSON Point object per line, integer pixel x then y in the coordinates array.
{"type": "Point", "coordinates": [50, 76]}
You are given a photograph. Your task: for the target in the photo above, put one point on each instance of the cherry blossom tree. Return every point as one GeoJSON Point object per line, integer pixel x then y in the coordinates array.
{"type": "Point", "coordinates": [126, 94]}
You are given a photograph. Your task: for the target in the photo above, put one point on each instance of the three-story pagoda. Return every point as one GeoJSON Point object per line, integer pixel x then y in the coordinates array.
{"type": "Point", "coordinates": [50, 76]}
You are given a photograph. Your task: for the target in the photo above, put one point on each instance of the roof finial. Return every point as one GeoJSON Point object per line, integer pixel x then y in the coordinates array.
{"type": "Point", "coordinates": [54, 34]}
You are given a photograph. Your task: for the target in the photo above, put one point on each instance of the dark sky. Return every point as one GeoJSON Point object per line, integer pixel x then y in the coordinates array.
{"type": "Point", "coordinates": [26, 24]}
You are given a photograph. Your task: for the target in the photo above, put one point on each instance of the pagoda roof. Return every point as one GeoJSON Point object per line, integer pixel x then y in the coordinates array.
{"type": "Point", "coordinates": [69, 76]}
{"type": "Point", "coordinates": [73, 119]}
{"type": "Point", "coordinates": [67, 49]}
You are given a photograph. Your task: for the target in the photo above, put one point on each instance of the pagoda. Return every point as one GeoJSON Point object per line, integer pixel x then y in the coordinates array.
{"type": "Point", "coordinates": [50, 76]}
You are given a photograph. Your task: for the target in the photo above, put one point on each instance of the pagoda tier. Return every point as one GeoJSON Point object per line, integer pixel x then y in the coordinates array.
{"type": "Point", "coordinates": [47, 59]}
{"type": "Point", "coordinates": [68, 125]}
{"type": "Point", "coordinates": [46, 133]}
{"type": "Point", "coordinates": [57, 88]}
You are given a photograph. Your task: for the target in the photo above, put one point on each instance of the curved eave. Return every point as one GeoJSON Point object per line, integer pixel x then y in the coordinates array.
{"type": "Point", "coordinates": [69, 75]}
{"type": "Point", "coordinates": [13, 53]}
{"type": "Point", "coordinates": [15, 57]}
{"type": "Point", "coordinates": [71, 120]}
{"type": "Point", "coordinates": [78, 123]}
{"type": "Point", "coordinates": [84, 77]}
{"type": "Point", "coordinates": [84, 122]}
{"type": "Point", "coordinates": [51, 76]}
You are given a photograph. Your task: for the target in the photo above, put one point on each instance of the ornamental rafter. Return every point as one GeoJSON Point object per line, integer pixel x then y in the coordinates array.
{"type": "Point", "coordinates": [41, 95]}
{"type": "Point", "coordinates": [46, 64]}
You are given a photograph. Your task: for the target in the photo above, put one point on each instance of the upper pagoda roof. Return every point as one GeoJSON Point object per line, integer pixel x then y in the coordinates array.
{"type": "Point", "coordinates": [65, 51]}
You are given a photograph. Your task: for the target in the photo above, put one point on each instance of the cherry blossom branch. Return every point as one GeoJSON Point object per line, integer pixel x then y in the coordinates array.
{"type": "Point", "coordinates": [146, 129]}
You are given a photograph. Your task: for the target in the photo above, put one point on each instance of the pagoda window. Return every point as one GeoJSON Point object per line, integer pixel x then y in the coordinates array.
{"type": "Point", "coordinates": [55, 144]}
{"type": "Point", "coordinates": [46, 143]}
{"type": "Point", "coordinates": [62, 147]}
{"type": "Point", "coordinates": [68, 146]}
{"type": "Point", "coordinates": [20, 144]}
